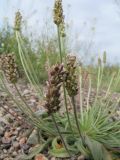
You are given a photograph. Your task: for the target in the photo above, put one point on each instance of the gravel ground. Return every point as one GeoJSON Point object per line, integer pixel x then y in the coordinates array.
{"type": "Point", "coordinates": [16, 136]}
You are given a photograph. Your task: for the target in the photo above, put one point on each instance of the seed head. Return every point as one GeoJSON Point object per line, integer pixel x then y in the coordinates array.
{"type": "Point", "coordinates": [18, 19]}
{"type": "Point", "coordinates": [9, 68]}
{"type": "Point", "coordinates": [57, 76]}
{"type": "Point", "coordinates": [71, 81]}
{"type": "Point", "coordinates": [62, 29]}
{"type": "Point", "coordinates": [58, 12]}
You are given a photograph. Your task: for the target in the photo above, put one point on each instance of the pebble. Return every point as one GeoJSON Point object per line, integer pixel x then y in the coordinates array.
{"type": "Point", "coordinates": [14, 154]}
{"type": "Point", "coordinates": [16, 145]}
{"type": "Point", "coordinates": [40, 157]}
{"type": "Point", "coordinates": [6, 140]}
{"type": "Point", "coordinates": [7, 134]}
{"type": "Point", "coordinates": [22, 140]}
{"type": "Point", "coordinates": [53, 158]}
{"type": "Point", "coordinates": [1, 131]}
{"type": "Point", "coordinates": [81, 157]}
{"type": "Point", "coordinates": [4, 150]}
{"type": "Point", "coordinates": [25, 148]}
{"type": "Point", "coordinates": [2, 156]}
{"type": "Point", "coordinates": [11, 149]}
{"type": "Point", "coordinates": [26, 91]}
{"type": "Point", "coordinates": [33, 138]}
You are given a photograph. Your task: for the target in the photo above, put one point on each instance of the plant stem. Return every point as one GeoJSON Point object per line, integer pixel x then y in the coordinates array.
{"type": "Point", "coordinates": [89, 92]}
{"type": "Point", "coordinates": [59, 43]}
{"type": "Point", "coordinates": [38, 136]}
{"type": "Point", "coordinates": [61, 137]}
{"type": "Point", "coordinates": [76, 119]}
{"type": "Point", "coordinates": [68, 117]}
{"type": "Point", "coordinates": [27, 66]}
{"type": "Point", "coordinates": [65, 97]}
{"type": "Point", "coordinates": [80, 93]}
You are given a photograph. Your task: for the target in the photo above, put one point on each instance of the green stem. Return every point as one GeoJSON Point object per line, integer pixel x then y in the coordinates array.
{"type": "Point", "coordinates": [76, 119]}
{"type": "Point", "coordinates": [29, 71]}
{"type": "Point", "coordinates": [68, 117]}
{"type": "Point", "coordinates": [38, 135]}
{"type": "Point", "coordinates": [61, 137]}
{"type": "Point", "coordinates": [89, 92]}
{"type": "Point", "coordinates": [80, 93]}
{"type": "Point", "coordinates": [65, 97]}
{"type": "Point", "coordinates": [98, 85]}
{"type": "Point", "coordinates": [59, 43]}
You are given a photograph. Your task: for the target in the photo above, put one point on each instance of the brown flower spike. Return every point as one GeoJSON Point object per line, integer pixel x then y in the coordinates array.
{"type": "Point", "coordinates": [57, 76]}
{"type": "Point", "coordinates": [71, 82]}
{"type": "Point", "coordinates": [58, 12]}
{"type": "Point", "coordinates": [9, 67]}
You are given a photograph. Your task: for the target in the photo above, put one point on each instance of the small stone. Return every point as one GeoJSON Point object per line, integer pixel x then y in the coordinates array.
{"type": "Point", "coordinates": [4, 150]}
{"type": "Point", "coordinates": [40, 157]}
{"type": "Point", "coordinates": [6, 140]}
{"type": "Point", "coordinates": [25, 148]}
{"type": "Point", "coordinates": [26, 91]}
{"type": "Point", "coordinates": [2, 156]}
{"type": "Point", "coordinates": [82, 157]}
{"type": "Point", "coordinates": [6, 146]}
{"type": "Point", "coordinates": [33, 138]}
{"type": "Point", "coordinates": [1, 131]}
{"type": "Point", "coordinates": [16, 145]}
{"type": "Point", "coordinates": [7, 134]}
{"type": "Point", "coordinates": [8, 118]}
{"type": "Point", "coordinates": [33, 100]}
{"type": "Point", "coordinates": [53, 158]}
{"type": "Point", "coordinates": [15, 132]}
{"type": "Point", "coordinates": [13, 138]}
{"type": "Point", "coordinates": [23, 140]}
{"type": "Point", "coordinates": [14, 154]}
{"type": "Point", "coordinates": [11, 149]}
{"type": "Point", "coordinates": [18, 129]}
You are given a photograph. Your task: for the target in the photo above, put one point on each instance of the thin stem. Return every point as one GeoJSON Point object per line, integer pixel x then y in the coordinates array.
{"type": "Point", "coordinates": [80, 93]}
{"type": "Point", "coordinates": [28, 59]}
{"type": "Point", "coordinates": [65, 96]}
{"type": "Point", "coordinates": [89, 91]}
{"type": "Point", "coordinates": [76, 119]}
{"type": "Point", "coordinates": [98, 85]}
{"type": "Point", "coordinates": [117, 79]}
{"type": "Point", "coordinates": [59, 43]}
{"type": "Point", "coordinates": [53, 118]}
{"type": "Point", "coordinates": [38, 135]}
{"type": "Point", "coordinates": [65, 100]}
{"type": "Point", "coordinates": [26, 65]}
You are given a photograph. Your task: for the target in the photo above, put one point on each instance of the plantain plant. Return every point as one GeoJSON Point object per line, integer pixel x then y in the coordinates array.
{"type": "Point", "coordinates": [88, 129]}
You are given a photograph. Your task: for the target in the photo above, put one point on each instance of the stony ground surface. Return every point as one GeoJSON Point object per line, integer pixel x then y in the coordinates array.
{"type": "Point", "coordinates": [16, 136]}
